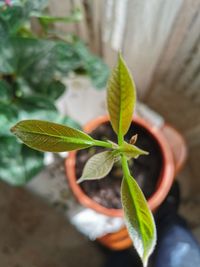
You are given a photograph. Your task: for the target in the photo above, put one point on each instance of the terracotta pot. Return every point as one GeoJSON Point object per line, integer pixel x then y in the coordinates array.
{"type": "Point", "coordinates": [177, 145]}
{"type": "Point", "coordinates": [120, 240]}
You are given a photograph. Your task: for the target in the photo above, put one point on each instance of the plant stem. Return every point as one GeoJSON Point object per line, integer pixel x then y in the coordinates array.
{"type": "Point", "coordinates": [103, 144]}
{"type": "Point", "coordinates": [125, 166]}
{"type": "Point", "coordinates": [120, 139]}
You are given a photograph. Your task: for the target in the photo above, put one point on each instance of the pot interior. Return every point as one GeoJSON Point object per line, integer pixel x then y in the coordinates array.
{"type": "Point", "coordinates": [145, 169]}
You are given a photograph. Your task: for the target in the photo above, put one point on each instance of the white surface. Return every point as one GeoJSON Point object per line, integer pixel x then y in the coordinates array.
{"type": "Point", "coordinates": [81, 101]}
{"type": "Point", "coordinates": [93, 224]}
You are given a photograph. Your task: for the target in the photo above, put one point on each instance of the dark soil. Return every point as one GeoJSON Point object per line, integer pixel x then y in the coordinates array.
{"type": "Point", "coordinates": [146, 169]}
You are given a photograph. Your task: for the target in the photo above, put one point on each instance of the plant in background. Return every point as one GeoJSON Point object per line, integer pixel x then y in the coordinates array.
{"type": "Point", "coordinates": [32, 67]}
{"type": "Point", "coordinates": [121, 98]}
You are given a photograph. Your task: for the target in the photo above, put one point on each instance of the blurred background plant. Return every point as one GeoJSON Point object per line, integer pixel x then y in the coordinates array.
{"type": "Point", "coordinates": [32, 67]}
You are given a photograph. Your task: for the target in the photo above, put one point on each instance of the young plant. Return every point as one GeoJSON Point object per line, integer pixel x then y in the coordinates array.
{"type": "Point", "coordinates": [121, 98]}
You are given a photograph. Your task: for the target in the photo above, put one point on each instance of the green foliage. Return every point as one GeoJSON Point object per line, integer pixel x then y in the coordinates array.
{"type": "Point", "coordinates": [138, 217]}
{"type": "Point", "coordinates": [32, 67]}
{"type": "Point", "coordinates": [76, 57]}
{"type": "Point", "coordinates": [18, 163]}
{"type": "Point", "coordinates": [95, 68]}
{"type": "Point", "coordinates": [52, 137]}
{"type": "Point", "coordinates": [121, 97]}
{"type": "Point", "coordinates": [98, 166]}
{"type": "Point", "coordinates": [131, 151]}
{"type": "Point", "coordinates": [59, 55]}
{"type": "Point", "coordinates": [45, 19]}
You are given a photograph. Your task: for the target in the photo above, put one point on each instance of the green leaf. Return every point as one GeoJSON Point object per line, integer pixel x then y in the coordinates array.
{"type": "Point", "coordinates": [47, 115]}
{"type": "Point", "coordinates": [55, 89]}
{"type": "Point", "coordinates": [98, 166]}
{"type": "Point", "coordinates": [94, 66]}
{"type": "Point", "coordinates": [5, 92]}
{"type": "Point", "coordinates": [32, 161]}
{"type": "Point", "coordinates": [138, 218]}
{"type": "Point", "coordinates": [8, 116]}
{"type": "Point", "coordinates": [14, 18]}
{"type": "Point", "coordinates": [18, 164]}
{"type": "Point", "coordinates": [132, 151]}
{"type": "Point", "coordinates": [7, 60]}
{"type": "Point", "coordinates": [75, 16]}
{"type": "Point", "coordinates": [30, 59]}
{"type": "Point", "coordinates": [121, 97]}
{"type": "Point", "coordinates": [52, 137]}
{"type": "Point", "coordinates": [67, 57]}
{"type": "Point", "coordinates": [35, 103]}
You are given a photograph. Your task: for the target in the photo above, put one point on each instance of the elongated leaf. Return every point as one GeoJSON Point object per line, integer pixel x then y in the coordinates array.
{"type": "Point", "coordinates": [98, 166]}
{"type": "Point", "coordinates": [52, 137]}
{"type": "Point", "coordinates": [132, 151]}
{"type": "Point", "coordinates": [121, 98]}
{"type": "Point", "coordinates": [138, 218]}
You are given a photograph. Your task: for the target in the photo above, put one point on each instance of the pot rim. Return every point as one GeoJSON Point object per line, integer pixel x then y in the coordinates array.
{"type": "Point", "coordinates": [164, 181]}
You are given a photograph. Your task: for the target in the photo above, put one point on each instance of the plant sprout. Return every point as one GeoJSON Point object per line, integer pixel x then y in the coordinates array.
{"type": "Point", "coordinates": [121, 98]}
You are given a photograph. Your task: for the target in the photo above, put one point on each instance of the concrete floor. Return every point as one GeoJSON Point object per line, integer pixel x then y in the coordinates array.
{"type": "Point", "coordinates": [33, 234]}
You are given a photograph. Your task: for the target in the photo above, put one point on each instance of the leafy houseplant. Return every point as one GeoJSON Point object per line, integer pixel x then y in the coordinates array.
{"type": "Point", "coordinates": [32, 67]}
{"type": "Point", "coordinates": [121, 98]}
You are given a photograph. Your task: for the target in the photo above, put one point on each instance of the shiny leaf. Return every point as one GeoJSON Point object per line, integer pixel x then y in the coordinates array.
{"type": "Point", "coordinates": [138, 218]}
{"type": "Point", "coordinates": [52, 137]}
{"type": "Point", "coordinates": [98, 166]}
{"type": "Point", "coordinates": [121, 98]}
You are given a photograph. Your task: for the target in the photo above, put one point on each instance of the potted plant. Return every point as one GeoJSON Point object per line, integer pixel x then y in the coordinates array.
{"type": "Point", "coordinates": [121, 98]}
{"type": "Point", "coordinates": [33, 65]}
{"type": "Point", "coordinates": [154, 174]}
